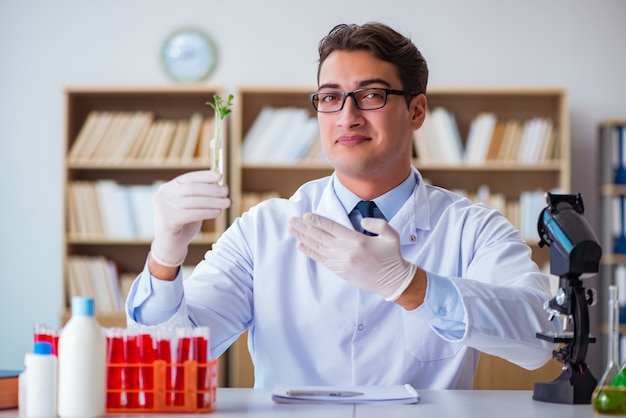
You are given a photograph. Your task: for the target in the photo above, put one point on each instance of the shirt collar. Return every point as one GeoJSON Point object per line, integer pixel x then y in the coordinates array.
{"type": "Point", "coordinates": [388, 203]}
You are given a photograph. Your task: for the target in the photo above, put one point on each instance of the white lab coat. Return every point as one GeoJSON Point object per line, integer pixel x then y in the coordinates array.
{"type": "Point", "coordinates": [308, 326]}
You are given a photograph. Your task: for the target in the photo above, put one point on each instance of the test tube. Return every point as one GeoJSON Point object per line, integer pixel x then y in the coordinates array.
{"type": "Point", "coordinates": [183, 353]}
{"type": "Point", "coordinates": [147, 356]}
{"type": "Point", "coordinates": [164, 352]}
{"type": "Point", "coordinates": [116, 397]}
{"type": "Point", "coordinates": [131, 371]}
{"type": "Point", "coordinates": [44, 333]}
{"type": "Point", "coordinates": [201, 355]}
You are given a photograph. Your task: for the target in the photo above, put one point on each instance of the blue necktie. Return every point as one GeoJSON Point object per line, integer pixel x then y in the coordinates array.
{"type": "Point", "coordinates": [366, 209]}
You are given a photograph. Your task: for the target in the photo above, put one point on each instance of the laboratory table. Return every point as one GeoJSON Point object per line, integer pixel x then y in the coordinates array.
{"type": "Point", "coordinates": [256, 403]}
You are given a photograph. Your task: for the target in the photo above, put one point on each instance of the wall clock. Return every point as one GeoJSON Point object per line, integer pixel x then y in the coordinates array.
{"type": "Point", "coordinates": [188, 55]}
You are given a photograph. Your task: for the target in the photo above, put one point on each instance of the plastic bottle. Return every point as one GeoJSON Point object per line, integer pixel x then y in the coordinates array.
{"type": "Point", "coordinates": [38, 383]}
{"type": "Point", "coordinates": [82, 363]}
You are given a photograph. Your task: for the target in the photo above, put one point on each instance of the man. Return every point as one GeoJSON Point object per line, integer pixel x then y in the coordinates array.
{"type": "Point", "coordinates": [331, 294]}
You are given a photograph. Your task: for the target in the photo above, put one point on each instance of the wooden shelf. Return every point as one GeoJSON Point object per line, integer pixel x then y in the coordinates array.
{"type": "Point", "coordinates": [613, 190]}
{"type": "Point", "coordinates": [164, 102]}
{"type": "Point", "coordinates": [143, 165]}
{"type": "Point", "coordinates": [200, 239]}
{"type": "Point", "coordinates": [608, 193]}
{"type": "Point", "coordinates": [613, 259]}
{"type": "Point", "coordinates": [465, 104]}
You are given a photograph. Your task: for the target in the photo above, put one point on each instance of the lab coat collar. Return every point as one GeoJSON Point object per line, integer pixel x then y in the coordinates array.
{"type": "Point", "coordinates": [414, 215]}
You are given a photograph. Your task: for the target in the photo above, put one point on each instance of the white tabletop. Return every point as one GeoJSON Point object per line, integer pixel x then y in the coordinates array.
{"type": "Point", "coordinates": [254, 403]}
{"type": "Point", "coordinates": [475, 403]}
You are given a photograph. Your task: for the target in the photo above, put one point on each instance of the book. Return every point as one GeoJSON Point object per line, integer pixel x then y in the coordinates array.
{"type": "Point", "coordinates": [137, 129]}
{"type": "Point", "coordinates": [253, 136]}
{"type": "Point", "coordinates": [113, 201]}
{"type": "Point", "coordinates": [447, 137]}
{"type": "Point", "coordinates": [164, 141]}
{"type": "Point", "coordinates": [86, 210]}
{"type": "Point", "coordinates": [206, 135]}
{"type": "Point", "coordinates": [9, 388]}
{"type": "Point", "coordinates": [142, 210]}
{"type": "Point", "coordinates": [421, 145]}
{"type": "Point", "coordinates": [391, 394]}
{"type": "Point", "coordinates": [495, 144]}
{"type": "Point", "coordinates": [150, 141]}
{"type": "Point", "coordinates": [145, 120]}
{"type": "Point", "coordinates": [92, 140]}
{"type": "Point", "coordinates": [193, 136]}
{"type": "Point", "coordinates": [479, 138]}
{"type": "Point", "coordinates": [86, 130]}
{"type": "Point", "coordinates": [178, 143]}
{"type": "Point", "coordinates": [105, 150]}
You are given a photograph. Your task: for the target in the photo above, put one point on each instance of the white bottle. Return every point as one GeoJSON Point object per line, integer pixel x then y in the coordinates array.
{"type": "Point", "coordinates": [39, 380]}
{"type": "Point", "coordinates": [82, 363]}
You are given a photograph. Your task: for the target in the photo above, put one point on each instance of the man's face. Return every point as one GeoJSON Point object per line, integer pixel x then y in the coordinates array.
{"type": "Point", "coordinates": [367, 145]}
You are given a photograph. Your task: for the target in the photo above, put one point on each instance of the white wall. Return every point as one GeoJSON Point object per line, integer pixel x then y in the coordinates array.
{"type": "Point", "coordinates": [45, 45]}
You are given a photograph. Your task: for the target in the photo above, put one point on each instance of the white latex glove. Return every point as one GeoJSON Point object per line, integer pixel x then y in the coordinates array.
{"type": "Point", "coordinates": [372, 263]}
{"type": "Point", "coordinates": [180, 206]}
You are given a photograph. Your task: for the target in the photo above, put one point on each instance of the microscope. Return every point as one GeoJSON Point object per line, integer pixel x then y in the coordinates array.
{"type": "Point", "coordinates": [574, 255]}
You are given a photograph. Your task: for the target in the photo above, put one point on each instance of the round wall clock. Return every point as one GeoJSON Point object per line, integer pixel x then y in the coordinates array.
{"type": "Point", "coordinates": [188, 55]}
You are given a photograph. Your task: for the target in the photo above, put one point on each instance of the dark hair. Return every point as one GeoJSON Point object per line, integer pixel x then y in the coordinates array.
{"type": "Point", "coordinates": [385, 44]}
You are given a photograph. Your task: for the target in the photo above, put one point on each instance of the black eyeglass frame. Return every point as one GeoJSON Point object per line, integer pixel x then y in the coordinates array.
{"type": "Point", "coordinates": [344, 95]}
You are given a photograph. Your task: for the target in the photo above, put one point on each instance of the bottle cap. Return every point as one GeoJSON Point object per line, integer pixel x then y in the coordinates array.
{"type": "Point", "coordinates": [83, 306]}
{"type": "Point", "coordinates": [42, 348]}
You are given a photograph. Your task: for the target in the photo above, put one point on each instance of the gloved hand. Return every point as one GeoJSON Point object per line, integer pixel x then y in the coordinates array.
{"type": "Point", "coordinates": [372, 263]}
{"type": "Point", "coordinates": [180, 206]}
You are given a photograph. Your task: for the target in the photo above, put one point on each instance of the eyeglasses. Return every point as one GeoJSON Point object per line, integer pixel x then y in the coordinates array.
{"type": "Point", "coordinates": [363, 99]}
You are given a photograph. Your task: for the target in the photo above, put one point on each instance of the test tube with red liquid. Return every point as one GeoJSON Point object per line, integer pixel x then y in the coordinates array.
{"type": "Point", "coordinates": [200, 338]}
{"type": "Point", "coordinates": [116, 395]}
{"type": "Point", "coordinates": [147, 356]}
{"type": "Point", "coordinates": [164, 352]}
{"type": "Point", "coordinates": [131, 371]}
{"type": "Point", "coordinates": [183, 353]}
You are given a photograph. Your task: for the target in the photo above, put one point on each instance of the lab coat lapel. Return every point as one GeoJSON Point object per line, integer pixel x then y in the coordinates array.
{"type": "Point", "coordinates": [330, 206]}
{"type": "Point", "coordinates": [414, 215]}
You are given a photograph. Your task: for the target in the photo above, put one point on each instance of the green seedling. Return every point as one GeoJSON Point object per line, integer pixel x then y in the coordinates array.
{"type": "Point", "coordinates": [221, 111]}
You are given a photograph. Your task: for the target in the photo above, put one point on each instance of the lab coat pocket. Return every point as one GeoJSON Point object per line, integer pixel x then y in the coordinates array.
{"type": "Point", "coordinates": [425, 345]}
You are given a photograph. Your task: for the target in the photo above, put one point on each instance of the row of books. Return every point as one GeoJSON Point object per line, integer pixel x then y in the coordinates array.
{"type": "Point", "coordinates": [110, 137]}
{"type": "Point", "coordinates": [250, 199]}
{"type": "Point", "coordinates": [98, 277]}
{"type": "Point", "coordinates": [106, 209]}
{"type": "Point", "coordinates": [523, 213]}
{"type": "Point", "coordinates": [489, 139]}
{"type": "Point", "coordinates": [282, 135]}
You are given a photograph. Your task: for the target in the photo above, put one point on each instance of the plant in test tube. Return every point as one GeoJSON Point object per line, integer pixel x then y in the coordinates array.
{"type": "Point", "coordinates": [221, 111]}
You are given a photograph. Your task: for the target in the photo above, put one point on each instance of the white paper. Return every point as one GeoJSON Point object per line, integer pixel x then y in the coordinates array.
{"type": "Point", "coordinates": [394, 394]}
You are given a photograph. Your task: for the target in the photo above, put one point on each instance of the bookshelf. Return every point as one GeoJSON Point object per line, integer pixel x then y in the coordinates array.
{"type": "Point", "coordinates": [612, 236]}
{"type": "Point", "coordinates": [506, 178]}
{"type": "Point", "coordinates": [111, 162]}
